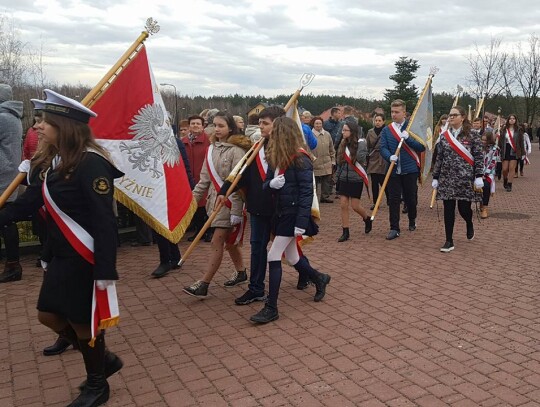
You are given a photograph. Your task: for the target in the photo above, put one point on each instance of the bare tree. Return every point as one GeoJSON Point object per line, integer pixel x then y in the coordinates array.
{"type": "Point", "coordinates": [526, 66]}
{"type": "Point", "coordinates": [489, 74]}
{"type": "Point", "coordinates": [12, 50]}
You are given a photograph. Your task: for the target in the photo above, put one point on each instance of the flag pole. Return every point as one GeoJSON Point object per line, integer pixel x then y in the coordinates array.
{"type": "Point", "coordinates": [248, 158]}
{"type": "Point", "coordinates": [398, 149]}
{"type": "Point", "coordinates": [151, 28]}
{"type": "Point", "coordinates": [456, 99]}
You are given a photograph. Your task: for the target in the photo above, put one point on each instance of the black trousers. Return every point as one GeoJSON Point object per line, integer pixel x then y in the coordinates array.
{"type": "Point", "coordinates": [486, 193]}
{"type": "Point", "coordinates": [169, 253]}
{"type": "Point", "coordinates": [376, 182]}
{"type": "Point", "coordinates": [405, 185]}
{"type": "Point", "coordinates": [464, 209]}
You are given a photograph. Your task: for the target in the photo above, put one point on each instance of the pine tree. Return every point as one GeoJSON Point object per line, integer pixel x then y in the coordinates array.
{"type": "Point", "coordinates": [405, 73]}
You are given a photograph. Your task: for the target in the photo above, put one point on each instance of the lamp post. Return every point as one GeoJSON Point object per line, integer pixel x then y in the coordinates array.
{"type": "Point", "coordinates": [175, 102]}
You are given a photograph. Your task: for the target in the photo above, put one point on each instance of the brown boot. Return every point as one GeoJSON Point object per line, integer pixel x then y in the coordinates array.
{"type": "Point", "coordinates": [484, 213]}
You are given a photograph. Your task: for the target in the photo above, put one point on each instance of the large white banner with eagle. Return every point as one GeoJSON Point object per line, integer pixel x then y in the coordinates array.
{"type": "Point", "coordinates": [133, 125]}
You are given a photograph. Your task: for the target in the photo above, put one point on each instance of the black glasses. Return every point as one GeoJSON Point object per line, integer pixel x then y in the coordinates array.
{"type": "Point", "coordinates": [454, 115]}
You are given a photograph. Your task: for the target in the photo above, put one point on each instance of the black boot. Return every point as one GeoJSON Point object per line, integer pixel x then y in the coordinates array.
{"type": "Point", "coordinates": [345, 236]}
{"type": "Point", "coordinates": [303, 277]}
{"type": "Point", "coordinates": [509, 187]}
{"type": "Point", "coordinates": [12, 272]}
{"type": "Point", "coordinates": [96, 391]}
{"type": "Point", "coordinates": [58, 347]}
{"type": "Point", "coordinates": [505, 183]}
{"type": "Point", "coordinates": [320, 280]}
{"type": "Point", "coordinates": [368, 224]}
{"type": "Point", "coordinates": [112, 365]}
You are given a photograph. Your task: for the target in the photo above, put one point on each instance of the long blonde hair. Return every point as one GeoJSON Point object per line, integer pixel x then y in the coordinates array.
{"type": "Point", "coordinates": [285, 141]}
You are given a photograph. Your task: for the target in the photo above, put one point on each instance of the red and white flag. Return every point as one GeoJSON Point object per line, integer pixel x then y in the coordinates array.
{"type": "Point", "coordinates": [133, 125]}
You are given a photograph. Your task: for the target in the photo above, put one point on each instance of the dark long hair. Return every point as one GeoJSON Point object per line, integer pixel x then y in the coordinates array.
{"type": "Point", "coordinates": [74, 138]}
{"type": "Point", "coordinates": [231, 124]}
{"type": "Point", "coordinates": [466, 125]}
{"type": "Point", "coordinates": [351, 142]}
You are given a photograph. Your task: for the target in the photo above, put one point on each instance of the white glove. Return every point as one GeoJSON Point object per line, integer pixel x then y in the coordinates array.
{"type": "Point", "coordinates": [435, 184]}
{"type": "Point", "coordinates": [103, 284]}
{"type": "Point", "coordinates": [394, 158]}
{"type": "Point", "coordinates": [479, 183]}
{"type": "Point", "coordinates": [24, 166]}
{"type": "Point", "coordinates": [277, 182]}
{"type": "Point", "coordinates": [298, 231]}
{"type": "Point", "coordinates": [44, 264]}
{"type": "Point", "coordinates": [235, 220]}
{"type": "Point", "coordinates": [404, 135]}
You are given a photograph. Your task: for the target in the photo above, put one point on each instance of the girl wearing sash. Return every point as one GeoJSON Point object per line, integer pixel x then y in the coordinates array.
{"type": "Point", "coordinates": [511, 146]}
{"type": "Point", "coordinates": [290, 178]}
{"type": "Point", "coordinates": [80, 260]}
{"type": "Point", "coordinates": [351, 177]}
{"type": "Point", "coordinates": [491, 158]}
{"type": "Point", "coordinates": [226, 149]}
{"type": "Point", "coordinates": [458, 172]}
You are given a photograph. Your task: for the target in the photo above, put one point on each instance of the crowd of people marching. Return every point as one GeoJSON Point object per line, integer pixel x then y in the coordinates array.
{"type": "Point", "coordinates": [73, 178]}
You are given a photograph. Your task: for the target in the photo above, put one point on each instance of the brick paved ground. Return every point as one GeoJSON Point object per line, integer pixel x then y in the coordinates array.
{"type": "Point", "coordinates": [402, 324]}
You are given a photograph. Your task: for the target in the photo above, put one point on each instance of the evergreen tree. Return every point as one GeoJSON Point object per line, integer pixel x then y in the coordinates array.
{"type": "Point", "coordinates": [405, 73]}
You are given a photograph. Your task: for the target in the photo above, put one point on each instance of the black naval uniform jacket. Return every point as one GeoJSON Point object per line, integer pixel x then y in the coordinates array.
{"type": "Point", "coordinates": [87, 197]}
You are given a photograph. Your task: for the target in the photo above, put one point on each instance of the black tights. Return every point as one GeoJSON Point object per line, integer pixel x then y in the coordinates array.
{"type": "Point", "coordinates": [464, 209]}
{"type": "Point", "coordinates": [58, 323]}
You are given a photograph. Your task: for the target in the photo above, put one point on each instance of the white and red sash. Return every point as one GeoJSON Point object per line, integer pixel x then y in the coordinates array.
{"type": "Point", "coordinates": [459, 148]}
{"type": "Point", "coordinates": [236, 237]}
{"type": "Point", "coordinates": [356, 166]}
{"type": "Point", "coordinates": [395, 130]}
{"type": "Point", "coordinates": [490, 178]}
{"type": "Point", "coordinates": [105, 309]}
{"type": "Point", "coordinates": [280, 171]}
{"type": "Point", "coordinates": [262, 164]}
{"type": "Point", "coordinates": [214, 176]}
{"type": "Point", "coordinates": [510, 139]}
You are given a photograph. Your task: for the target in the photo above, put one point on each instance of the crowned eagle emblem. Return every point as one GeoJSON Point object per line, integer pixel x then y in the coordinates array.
{"type": "Point", "coordinates": [153, 144]}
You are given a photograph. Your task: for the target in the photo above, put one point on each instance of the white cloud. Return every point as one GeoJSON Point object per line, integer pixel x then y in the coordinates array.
{"type": "Point", "coordinates": [249, 47]}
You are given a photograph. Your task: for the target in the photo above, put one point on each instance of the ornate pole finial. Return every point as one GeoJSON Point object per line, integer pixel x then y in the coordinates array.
{"type": "Point", "coordinates": [459, 89]}
{"type": "Point", "coordinates": [151, 26]}
{"type": "Point", "coordinates": [306, 79]}
{"type": "Point", "coordinates": [433, 71]}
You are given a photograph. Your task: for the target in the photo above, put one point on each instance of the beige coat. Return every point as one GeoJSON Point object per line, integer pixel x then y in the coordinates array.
{"type": "Point", "coordinates": [224, 156]}
{"type": "Point", "coordinates": [376, 164]}
{"type": "Point", "coordinates": [324, 153]}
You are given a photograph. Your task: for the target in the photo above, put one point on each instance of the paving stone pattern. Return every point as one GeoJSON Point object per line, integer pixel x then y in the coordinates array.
{"type": "Point", "coordinates": [402, 324]}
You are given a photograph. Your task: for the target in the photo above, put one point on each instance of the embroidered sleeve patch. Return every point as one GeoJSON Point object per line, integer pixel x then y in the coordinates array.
{"type": "Point", "coordinates": [101, 185]}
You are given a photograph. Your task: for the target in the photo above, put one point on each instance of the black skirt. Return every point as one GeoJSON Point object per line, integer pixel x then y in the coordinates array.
{"type": "Point", "coordinates": [350, 189]}
{"type": "Point", "coordinates": [508, 151]}
{"type": "Point", "coordinates": [283, 225]}
{"type": "Point", "coordinates": [67, 289]}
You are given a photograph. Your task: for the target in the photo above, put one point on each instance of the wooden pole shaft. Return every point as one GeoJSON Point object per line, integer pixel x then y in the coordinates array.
{"type": "Point", "coordinates": [12, 187]}
{"type": "Point", "coordinates": [386, 178]}
{"type": "Point", "coordinates": [433, 196]}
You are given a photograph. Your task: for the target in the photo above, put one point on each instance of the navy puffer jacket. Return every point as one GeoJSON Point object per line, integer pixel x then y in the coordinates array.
{"type": "Point", "coordinates": [296, 196]}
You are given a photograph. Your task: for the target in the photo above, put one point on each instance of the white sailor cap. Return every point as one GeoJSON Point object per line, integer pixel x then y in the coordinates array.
{"type": "Point", "coordinates": [63, 106]}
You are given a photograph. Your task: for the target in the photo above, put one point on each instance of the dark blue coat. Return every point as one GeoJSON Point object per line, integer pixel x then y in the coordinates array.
{"type": "Point", "coordinates": [296, 196]}
{"type": "Point", "coordinates": [388, 148]}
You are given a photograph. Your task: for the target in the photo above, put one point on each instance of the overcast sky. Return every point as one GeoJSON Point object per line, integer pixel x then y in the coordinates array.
{"type": "Point", "coordinates": [263, 47]}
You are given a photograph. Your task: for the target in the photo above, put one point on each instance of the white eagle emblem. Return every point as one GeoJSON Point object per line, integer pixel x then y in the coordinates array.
{"type": "Point", "coordinates": [154, 141]}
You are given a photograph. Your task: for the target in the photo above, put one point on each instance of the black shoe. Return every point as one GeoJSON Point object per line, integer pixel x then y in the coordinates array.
{"type": "Point", "coordinates": [405, 209]}
{"type": "Point", "coordinates": [321, 281]}
{"type": "Point", "coordinates": [12, 272]}
{"type": "Point", "coordinates": [303, 281]}
{"type": "Point", "coordinates": [372, 207]}
{"type": "Point", "coordinates": [325, 200]}
{"type": "Point", "coordinates": [509, 187]}
{"type": "Point", "coordinates": [238, 277]}
{"type": "Point", "coordinates": [345, 236]}
{"type": "Point", "coordinates": [162, 269]}
{"type": "Point", "coordinates": [57, 348]}
{"type": "Point", "coordinates": [248, 297]}
{"type": "Point", "coordinates": [192, 238]}
{"type": "Point", "coordinates": [470, 232]}
{"type": "Point", "coordinates": [112, 365]}
{"type": "Point", "coordinates": [368, 225]}
{"type": "Point", "coordinates": [138, 244]}
{"type": "Point", "coordinates": [38, 263]}
{"type": "Point", "coordinates": [392, 235]}
{"type": "Point", "coordinates": [207, 237]}
{"type": "Point", "coordinates": [197, 289]}
{"type": "Point", "coordinates": [267, 314]}
{"type": "Point", "coordinates": [412, 225]}
{"type": "Point", "coordinates": [447, 247]}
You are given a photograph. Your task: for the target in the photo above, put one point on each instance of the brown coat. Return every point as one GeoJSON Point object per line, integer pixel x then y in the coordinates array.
{"type": "Point", "coordinates": [376, 164]}
{"type": "Point", "coordinates": [325, 154]}
{"type": "Point", "coordinates": [225, 156]}
{"type": "Point", "coordinates": [519, 142]}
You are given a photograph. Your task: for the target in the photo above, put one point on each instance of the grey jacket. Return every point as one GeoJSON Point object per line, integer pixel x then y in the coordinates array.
{"type": "Point", "coordinates": [345, 172]}
{"type": "Point", "coordinates": [10, 142]}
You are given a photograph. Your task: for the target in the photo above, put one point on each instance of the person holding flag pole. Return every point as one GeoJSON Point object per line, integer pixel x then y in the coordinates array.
{"type": "Point", "coordinates": [403, 171]}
